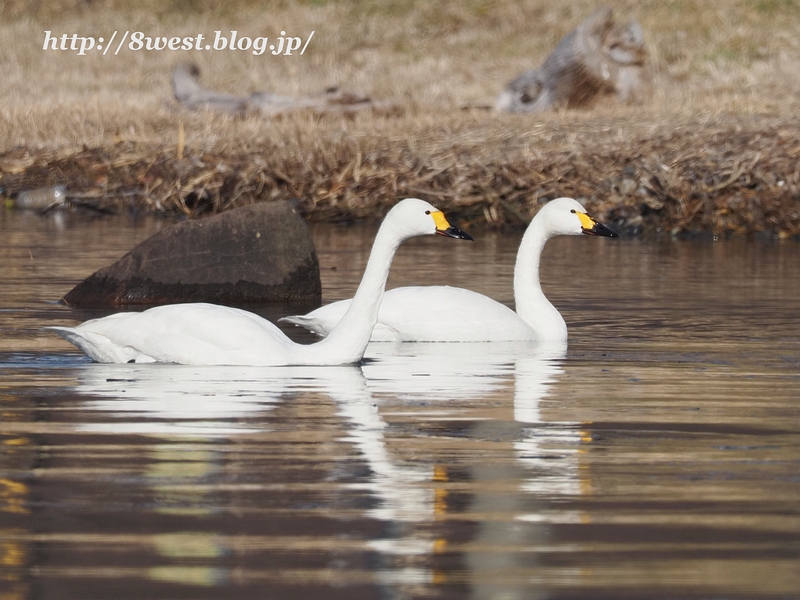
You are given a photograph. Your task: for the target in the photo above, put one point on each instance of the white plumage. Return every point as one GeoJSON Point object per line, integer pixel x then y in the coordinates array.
{"type": "Point", "coordinates": [208, 334]}
{"type": "Point", "coordinates": [448, 314]}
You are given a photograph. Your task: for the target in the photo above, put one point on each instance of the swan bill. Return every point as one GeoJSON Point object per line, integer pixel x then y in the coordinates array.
{"type": "Point", "coordinates": [455, 232]}
{"type": "Point", "coordinates": [591, 227]}
{"type": "Point", "coordinates": [443, 227]}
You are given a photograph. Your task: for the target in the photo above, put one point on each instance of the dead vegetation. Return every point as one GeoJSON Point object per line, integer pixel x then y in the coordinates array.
{"type": "Point", "coordinates": [712, 148]}
{"type": "Point", "coordinates": [686, 179]}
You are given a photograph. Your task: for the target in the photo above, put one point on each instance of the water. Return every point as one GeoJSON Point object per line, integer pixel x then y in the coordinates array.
{"type": "Point", "coordinates": [657, 457]}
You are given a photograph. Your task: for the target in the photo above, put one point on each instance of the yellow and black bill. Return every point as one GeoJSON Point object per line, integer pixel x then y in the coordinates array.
{"type": "Point", "coordinates": [591, 227]}
{"type": "Point", "coordinates": [443, 227]}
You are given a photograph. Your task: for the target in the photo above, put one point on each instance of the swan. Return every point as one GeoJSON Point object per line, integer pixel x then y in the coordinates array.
{"type": "Point", "coordinates": [209, 334]}
{"type": "Point", "coordinates": [448, 314]}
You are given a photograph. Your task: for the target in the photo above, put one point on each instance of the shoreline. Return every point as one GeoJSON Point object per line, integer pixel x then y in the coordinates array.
{"type": "Point", "coordinates": [732, 176]}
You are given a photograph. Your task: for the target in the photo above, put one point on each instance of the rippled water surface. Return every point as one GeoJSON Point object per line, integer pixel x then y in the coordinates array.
{"type": "Point", "coordinates": [657, 457]}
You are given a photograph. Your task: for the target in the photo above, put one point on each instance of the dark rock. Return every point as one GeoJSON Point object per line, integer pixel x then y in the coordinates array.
{"type": "Point", "coordinates": [258, 253]}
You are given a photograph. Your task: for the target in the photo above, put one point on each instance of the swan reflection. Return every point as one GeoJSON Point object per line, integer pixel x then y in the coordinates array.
{"type": "Point", "coordinates": [547, 448]}
{"type": "Point", "coordinates": [183, 404]}
{"type": "Point", "coordinates": [441, 371]}
{"type": "Point", "coordinates": [179, 400]}
{"type": "Point", "coordinates": [196, 402]}
{"type": "Point", "coordinates": [228, 401]}
{"type": "Point", "coordinates": [399, 488]}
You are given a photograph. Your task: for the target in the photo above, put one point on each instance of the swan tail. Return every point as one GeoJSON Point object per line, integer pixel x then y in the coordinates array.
{"type": "Point", "coordinates": [310, 323]}
{"type": "Point", "coordinates": [381, 332]}
{"type": "Point", "coordinates": [99, 348]}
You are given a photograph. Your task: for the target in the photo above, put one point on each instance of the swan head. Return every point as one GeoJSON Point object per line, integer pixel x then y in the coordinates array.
{"type": "Point", "coordinates": [413, 216]}
{"type": "Point", "coordinates": [566, 216]}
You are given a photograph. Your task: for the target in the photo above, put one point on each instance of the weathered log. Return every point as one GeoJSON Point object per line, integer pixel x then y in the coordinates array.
{"type": "Point", "coordinates": [597, 58]}
{"type": "Point", "coordinates": [190, 93]}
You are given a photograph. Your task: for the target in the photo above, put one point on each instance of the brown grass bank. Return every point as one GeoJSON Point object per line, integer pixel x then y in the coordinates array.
{"type": "Point", "coordinates": [713, 147]}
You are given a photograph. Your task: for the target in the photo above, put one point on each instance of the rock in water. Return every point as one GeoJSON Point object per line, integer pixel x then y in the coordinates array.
{"type": "Point", "coordinates": [257, 253]}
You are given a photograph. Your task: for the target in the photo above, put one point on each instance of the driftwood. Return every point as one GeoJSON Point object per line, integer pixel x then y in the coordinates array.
{"type": "Point", "coordinates": [597, 58]}
{"type": "Point", "coordinates": [190, 93]}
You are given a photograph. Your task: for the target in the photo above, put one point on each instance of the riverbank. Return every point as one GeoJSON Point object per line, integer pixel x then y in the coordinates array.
{"type": "Point", "coordinates": [729, 176]}
{"type": "Point", "coordinates": [710, 148]}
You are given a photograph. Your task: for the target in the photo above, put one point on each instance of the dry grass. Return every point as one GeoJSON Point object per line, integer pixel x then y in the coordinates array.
{"type": "Point", "coordinates": [711, 148]}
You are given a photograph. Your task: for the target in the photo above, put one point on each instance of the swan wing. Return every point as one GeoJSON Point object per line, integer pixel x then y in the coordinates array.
{"type": "Point", "coordinates": [450, 314]}
{"type": "Point", "coordinates": [99, 348]}
{"type": "Point", "coordinates": [430, 314]}
{"type": "Point", "coordinates": [322, 320]}
{"type": "Point", "coordinates": [199, 334]}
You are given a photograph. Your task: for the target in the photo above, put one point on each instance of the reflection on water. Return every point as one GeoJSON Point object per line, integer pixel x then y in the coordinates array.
{"type": "Point", "coordinates": [206, 431]}
{"type": "Point", "coordinates": [550, 454]}
{"type": "Point", "coordinates": [174, 399]}
{"type": "Point", "coordinates": [657, 456]}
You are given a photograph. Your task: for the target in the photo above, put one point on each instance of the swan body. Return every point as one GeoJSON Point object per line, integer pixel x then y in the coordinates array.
{"type": "Point", "coordinates": [414, 309]}
{"type": "Point", "coordinates": [209, 334]}
{"type": "Point", "coordinates": [448, 314]}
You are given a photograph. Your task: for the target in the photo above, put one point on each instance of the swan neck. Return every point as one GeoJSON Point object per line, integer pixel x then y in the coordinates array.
{"type": "Point", "coordinates": [351, 335]}
{"type": "Point", "coordinates": [532, 305]}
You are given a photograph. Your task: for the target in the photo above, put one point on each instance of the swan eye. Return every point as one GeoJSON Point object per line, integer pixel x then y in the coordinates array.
{"type": "Point", "coordinates": [572, 211]}
{"type": "Point", "coordinates": [427, 212]}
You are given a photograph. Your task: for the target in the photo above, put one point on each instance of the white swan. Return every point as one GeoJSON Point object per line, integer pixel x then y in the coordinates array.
{"type": "Point", "coordinates": [208, 334]}
{"type": "Point", "coordinates": [447, 314]}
